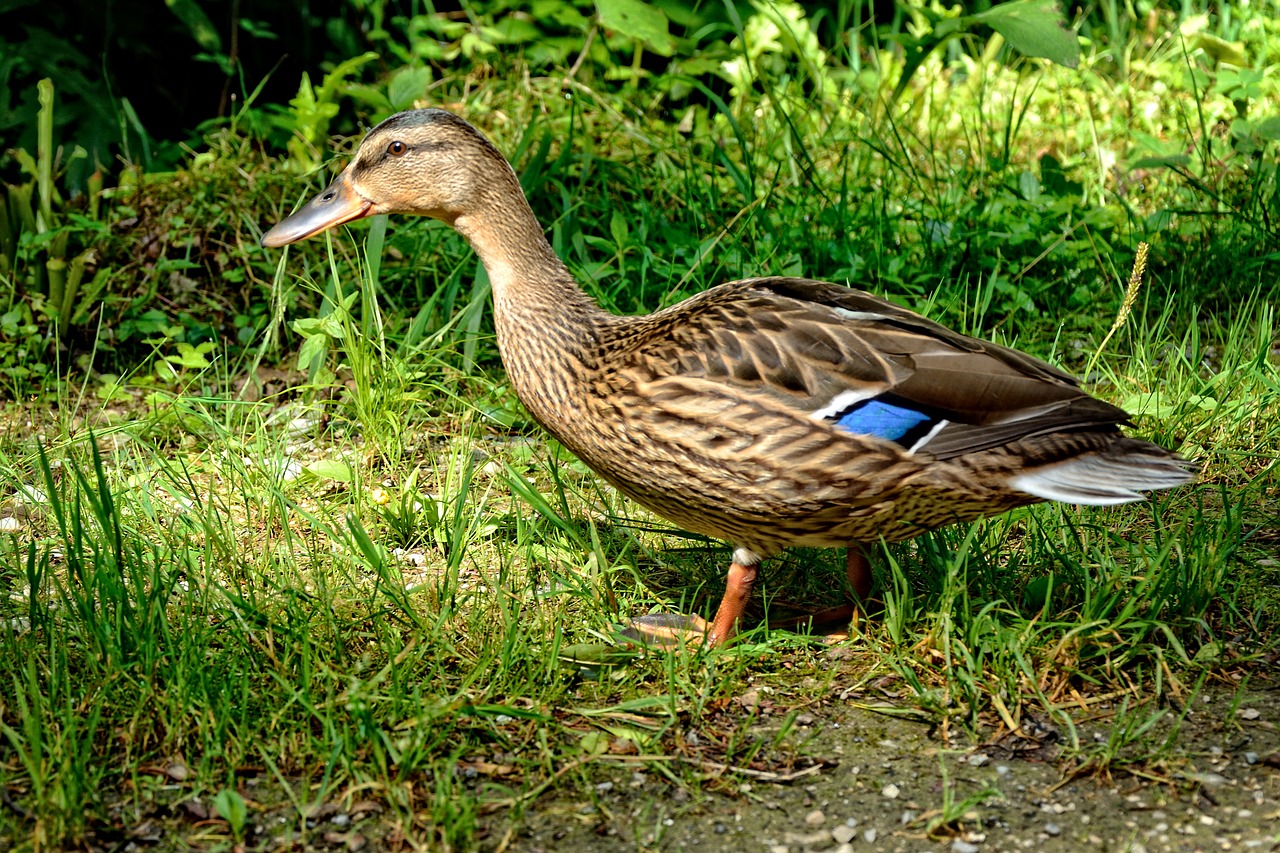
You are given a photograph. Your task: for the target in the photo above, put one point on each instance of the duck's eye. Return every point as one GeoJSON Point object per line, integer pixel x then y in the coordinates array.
{"type": "Point", "coordinates": [397, 148]}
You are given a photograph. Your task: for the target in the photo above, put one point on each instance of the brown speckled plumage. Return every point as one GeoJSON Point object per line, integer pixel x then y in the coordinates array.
{"type": "Point", "coordinates": [720, 413]}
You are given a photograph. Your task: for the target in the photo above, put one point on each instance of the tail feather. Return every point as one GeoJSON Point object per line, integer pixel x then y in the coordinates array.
{"type": "Point", "coordinates": [1119, 474]}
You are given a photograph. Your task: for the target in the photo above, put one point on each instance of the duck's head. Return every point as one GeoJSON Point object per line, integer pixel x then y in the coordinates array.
{"type": "Point", "coordinates": [425, 162]}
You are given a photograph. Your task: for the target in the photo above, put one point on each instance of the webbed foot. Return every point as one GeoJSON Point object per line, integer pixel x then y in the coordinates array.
{"type": "Point", "coordinates": [666, 630]}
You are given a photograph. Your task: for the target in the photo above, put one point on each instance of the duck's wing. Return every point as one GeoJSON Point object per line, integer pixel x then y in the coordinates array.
{"type": "Point", "coordinates": [859, 364]}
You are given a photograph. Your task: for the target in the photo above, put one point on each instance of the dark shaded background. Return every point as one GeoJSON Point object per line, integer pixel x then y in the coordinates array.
{"type": "Point", "coordinates": [133, 79]}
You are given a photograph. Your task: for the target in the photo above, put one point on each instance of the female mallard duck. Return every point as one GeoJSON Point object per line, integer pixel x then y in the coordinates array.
{"type": "Point", "coordinates": [769, 412]}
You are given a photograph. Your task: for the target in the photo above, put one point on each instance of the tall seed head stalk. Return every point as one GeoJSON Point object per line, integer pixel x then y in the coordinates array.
{"type": "Point", "coordinates": [1126, 304]}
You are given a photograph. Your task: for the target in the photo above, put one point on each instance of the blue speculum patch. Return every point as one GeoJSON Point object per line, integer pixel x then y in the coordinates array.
{"type": "Point", "coordinates": [883, 420]}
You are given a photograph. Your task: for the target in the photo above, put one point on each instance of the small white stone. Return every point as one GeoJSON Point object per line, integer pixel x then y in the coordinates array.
{"type": "Point", "coordinates": [303, 424]}
{"type": "Point", "coordinates": [31, 495]}
{"type": "Point", "coordinates": [815, 818]}
{"type": "Point", "coordinates": [961, 846]}
{"type": "Point", "coordinates": [870, 836]}
{"type": "Point", "coordinates": [891, 791]}
{"type": "Point", "coordinates": [806, 839]}
{"type": "Point", "coordinates": [842, 834]}
{"type": "Point", "coordinates": [1250, 713]}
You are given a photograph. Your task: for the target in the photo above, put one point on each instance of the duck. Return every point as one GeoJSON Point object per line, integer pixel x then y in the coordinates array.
{"type": "Point", "coordinates": [769, 412]}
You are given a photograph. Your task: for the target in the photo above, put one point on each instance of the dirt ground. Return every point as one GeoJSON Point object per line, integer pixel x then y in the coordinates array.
{"type": "Point", "coordinates": [882, 784]}
{"type": "Point", "coordinates": [844, 780]}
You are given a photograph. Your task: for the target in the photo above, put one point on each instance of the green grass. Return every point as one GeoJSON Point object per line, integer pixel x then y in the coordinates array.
{"type": "Point", "coordinates": [386, 585]}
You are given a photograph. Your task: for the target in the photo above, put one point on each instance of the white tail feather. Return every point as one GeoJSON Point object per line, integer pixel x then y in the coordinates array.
{"type": "Point", "coordinates": [1103, 480]}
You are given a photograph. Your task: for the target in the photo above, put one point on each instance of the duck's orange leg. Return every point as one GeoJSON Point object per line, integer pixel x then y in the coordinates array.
{"type": "Point", "coordinates": [667, 629]}
{"type": "Point", "coordinates": [737, 591]}
{"type": "Point", "coordinates": [662, 629]}
{"type": "Point", "coordinates": [858, 570]}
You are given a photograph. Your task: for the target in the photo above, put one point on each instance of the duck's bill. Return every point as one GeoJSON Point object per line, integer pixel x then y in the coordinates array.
{"type": "Point", "coordinates": [338, 204]}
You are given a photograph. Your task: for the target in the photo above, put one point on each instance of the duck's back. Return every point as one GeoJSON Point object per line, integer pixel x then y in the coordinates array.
{"type": "Point", "coordinates": [784, 411]}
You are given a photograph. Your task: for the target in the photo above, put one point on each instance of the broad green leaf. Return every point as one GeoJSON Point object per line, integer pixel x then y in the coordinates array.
{"type": "Point", "coordinates": [1221, 50]}
{"type": "Point", "coordinates": [618, 228]}
{"type": "Point", "coordinates": [1036, 28]}
{"type": "Point", "coordinates": [312, 352]}
{"type": "Point", "coordinates": [1029, 185]}
{"type": "Point", "coordinates": [472, 44]}
{"type": "Point", "coordinates": [188, 356]}
{"type": "Point", "coordinates": [338, 76]}
{"type": "Point", "coordinates": [638, 21]}
{"type": "Point", "coordinates": [595, 654]}
{"type": "Point", "coordinates": [408, 85]}
{"type": "Point", "coordinates": [595, 743]}
{"type": "Point", "coordinates": [232, 808]}
{"type": "Point", "coordinates": [1172, 161]}
{"type": "Point", "coordinates": [198, 24]}
{"type": "Point", "coordinates": [561, 12]}
{"type": "Point", "coordinates": [330, 469]}
{"type": "Point", "coordinates": [1268, 128]}
{"type": "Point", "coordinates": [1209, 653]}
{"type": "Point", "coordinates": [1038, 590]}
{"type": "Point", "coordinates": [513, 30]}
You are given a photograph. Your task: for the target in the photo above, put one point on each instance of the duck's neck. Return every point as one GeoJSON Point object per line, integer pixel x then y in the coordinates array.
{"type": "Point", "coordinates": [548, 328]}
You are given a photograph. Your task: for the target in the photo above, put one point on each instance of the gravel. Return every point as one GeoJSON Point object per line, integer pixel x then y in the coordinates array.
{"type": "Point", "coordinates": [886, 782]}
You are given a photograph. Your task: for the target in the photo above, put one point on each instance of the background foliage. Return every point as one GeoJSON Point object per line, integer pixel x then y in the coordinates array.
{"type": "Point", "coordinates": [99, 244]}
